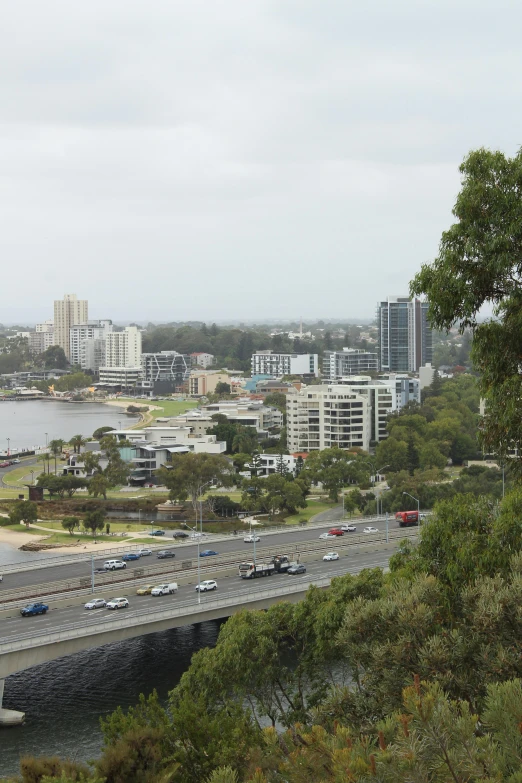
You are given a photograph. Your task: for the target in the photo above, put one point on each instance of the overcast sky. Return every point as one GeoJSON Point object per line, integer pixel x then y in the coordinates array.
{"type": "Point", "coordinates": [181, 159]}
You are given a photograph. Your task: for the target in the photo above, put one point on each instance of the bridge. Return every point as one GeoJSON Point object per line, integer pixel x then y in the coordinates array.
{"type": "Point", "coordinates": [68, 628]}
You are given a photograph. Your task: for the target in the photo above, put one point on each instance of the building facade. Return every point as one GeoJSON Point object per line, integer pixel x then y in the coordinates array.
{"type": "Point", "coordinates": [202, 382]}
{"type": "Point", "coordinates": [67, 312]}
{"type": "Point", "coordinates": [124, 378]}
{"type": "Point", "coordinates": [40, 341]}
{"type": "Point", "coordinates": [278, 364]}
{"type": "Point", "coordinates": [405, 339]}
{"type": "Point", "coordinates": [166, 371]}
{"type": "Point", "coordinates": [123, 349]}
{"type": "Point", "coordinates": [202, 359]}
{"type": "Point", "coordinates": [90, 357]}
{"type": "Point", "coordinates": [349, 361]}
{"type": "Point", "coordinates": [319, 417]}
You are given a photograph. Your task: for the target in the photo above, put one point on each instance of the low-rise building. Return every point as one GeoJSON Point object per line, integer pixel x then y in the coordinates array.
{"type": "Point", "coordinates": [279, 364]}
{"type": "Point", "coordinates": [202, 359]}
{"type": "Point", "coordinates": [164, 372]}
{"type": "Point", "coordinates": [120, 378]}
{"type": "Point", "coordinates": [203, 382]}
{"type": "Point", "coordinates": [349, 361]}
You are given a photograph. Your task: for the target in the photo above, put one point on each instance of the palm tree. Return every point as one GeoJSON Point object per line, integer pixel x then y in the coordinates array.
{"type": "Point", "coordinates": [77, 441]}
{"type": "Point", "coordinates": [45, 458]}
{"type": "Point", "coordinates": [56, 448]}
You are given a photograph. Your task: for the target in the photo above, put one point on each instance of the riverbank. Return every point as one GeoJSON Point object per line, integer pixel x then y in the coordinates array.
{"type": "Point", "coordinates": [145, 417]}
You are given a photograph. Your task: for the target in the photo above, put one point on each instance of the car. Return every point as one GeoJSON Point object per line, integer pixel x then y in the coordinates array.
{"type": "Point", "coordinates": [157, 533]}
{"type": "Point", "coordinates": [349, 529]}
{"type": "Point", "coordinates": [336, 531]}
{"type": "Point", "coordinates": [96, 603]}
{"type": "Point", "coordinates": [145, 590]}
{"type": "Point", "coordinates": [197, 535]}
{"type": "Point", "coordinates": [15, 461]}
{"type": "Point", "coordinates": [1, 578]}
{"type": "Point", "coordinates": [32, 609]}
{"type": "Point", "coordinates": [327, 535]}
{"type": "Point", "coordinates": [117, 603]}
{"type": "Point", "coordinates": [144, 552]}
{"type": "Point", "coordinates": [297, 568]}
{"type": "Point", "coordinates": [331, 556]}
{"type": "Point", "coordinates": [164, 553]}
{"type": "Point", "coordinates": [131, 556]}
{"type": "Point", "coordinates": [208, 584]}
{"type": "Point", "coordinates": [4, 464]}
{"type": "Point", "coordinates": [208, 553]}
{"type": "Point", "coordinates": [370, 529]}
{"type": "Point", "coordinates": [166, 589]}
{"type": "Point", "coordinates": [112, 565]}
{"type": "Point", "coordinates": [251, 539]}
{"type": "Point", "coordinates": [179, 534]}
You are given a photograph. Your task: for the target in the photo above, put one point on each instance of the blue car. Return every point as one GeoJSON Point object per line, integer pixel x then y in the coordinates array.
{"type": "Point", "coordinates": [32, 609]}
{"type": "Point", "coordinates": [157, 533]}
{"type": "Point", "coordinates": [207, 553]}
{"type": "Point", "coordinates": [131, 556]}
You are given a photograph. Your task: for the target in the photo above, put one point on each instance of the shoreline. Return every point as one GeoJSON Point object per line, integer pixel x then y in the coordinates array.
{"type": "Point", "coordinates": [15, 539]}
{"type": "Point", "coordinates": [145, 418]}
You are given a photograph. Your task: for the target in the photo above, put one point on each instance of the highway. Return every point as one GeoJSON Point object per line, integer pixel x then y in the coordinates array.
{"type": "Point", "coordinates": [277, 541]}
{"type": "Point", "coordinates": [59, 618]}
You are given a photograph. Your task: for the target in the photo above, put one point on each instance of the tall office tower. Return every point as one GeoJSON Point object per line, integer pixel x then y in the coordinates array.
{"type": "Point", "coordinates": [404, 334]}
{"type": "Point", "coordinates": [68, 312]}
{"type": "Point", "coordinates": [123, 349]}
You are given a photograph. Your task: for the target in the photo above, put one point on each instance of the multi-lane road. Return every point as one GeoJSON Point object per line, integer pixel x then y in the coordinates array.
{"type": "Point", "coordinates": [60, 617]}
{"type": "Point", "coordinates": [277, 541]}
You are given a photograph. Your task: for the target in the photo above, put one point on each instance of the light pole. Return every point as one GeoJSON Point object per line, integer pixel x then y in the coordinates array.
{"type": "Point", "coordinates": [195, 530]}
{"type": "Point", "coordinates": [32, 477]}
{"type": "Point", "coordinates": [46, 438]}
{"type": "Point", "coordinates": [416, 500]}
{"type": "Point", "coordinates": [8, 446]}
{"type": "Point", "coordinates": [119, 424]}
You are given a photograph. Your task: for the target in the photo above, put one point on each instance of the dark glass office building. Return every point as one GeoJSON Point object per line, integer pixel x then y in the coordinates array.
{"type": "Point", "coordinates": [404, 334]}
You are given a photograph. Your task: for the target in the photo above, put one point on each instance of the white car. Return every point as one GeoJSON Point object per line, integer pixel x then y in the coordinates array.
{"type": "Point", "coordinates": [117, 603]}
{"type": "Point", "coordinates": [112, 565]}
{"type": "Point", "coordinates": [144, 552]}
{"type": "Point", "coordinates": [96, 603]}
{"type": "Point", "coordinates": [348, 528]}
{"type": "Point", "coordinates": [208, 584]}
{"type": "Point", "coordinates": [165, 589]}
{"type": "Point", "coordinates": [197, 535]}
{"type": "Point", "coordinates": [370, 530]}
{"type": "Point", "coordinates": [251, 539]}
{"type": "Point", "coordinates": [327, 535]}
{"type": "Point", "coordinates": [331, 556]}
{"type": "Point", "coordinates": [1, 578]}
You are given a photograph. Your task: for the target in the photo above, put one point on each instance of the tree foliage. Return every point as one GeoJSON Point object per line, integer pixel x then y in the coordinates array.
{"type": "Point", "coordinates": [23, 512]}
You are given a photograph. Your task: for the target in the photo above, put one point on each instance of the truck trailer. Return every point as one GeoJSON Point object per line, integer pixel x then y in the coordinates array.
{"type": "Point", "coordinates": [276, 565]}
{"type": "Point", "coordinates": [407, 518]}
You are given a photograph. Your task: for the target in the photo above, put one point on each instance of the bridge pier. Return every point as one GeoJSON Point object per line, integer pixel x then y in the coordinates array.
{"type": "Point", "coordinates": [9, 717]}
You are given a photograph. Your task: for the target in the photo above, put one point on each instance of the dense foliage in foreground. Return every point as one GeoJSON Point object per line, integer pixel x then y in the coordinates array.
{"type": "Point", "coordinates": [412, 676]}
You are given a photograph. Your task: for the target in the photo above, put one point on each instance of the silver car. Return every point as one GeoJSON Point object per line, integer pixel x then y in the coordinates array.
{"type": "Point", "coordinates": [117, 603]}
{"type": "Point", "coordinates": [96, 603]}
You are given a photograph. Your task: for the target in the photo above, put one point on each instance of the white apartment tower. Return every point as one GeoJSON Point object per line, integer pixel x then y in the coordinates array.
{"type": "Point", "coordinates": [87, 344]}
{"type": "Point", "coordinates": [319, 417]}
{"type": "Point", "coordinates": [123, 349]}
{"type": "Point", "coordinates": [67, 312]}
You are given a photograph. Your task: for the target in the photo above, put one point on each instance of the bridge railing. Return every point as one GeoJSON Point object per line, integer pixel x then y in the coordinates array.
{"type": "Point", "coordinates": [74, 630]}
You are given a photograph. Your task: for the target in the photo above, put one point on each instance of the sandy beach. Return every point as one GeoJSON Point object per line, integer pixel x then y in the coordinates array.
{"type": "Point", "coordinates": [16, 539]}
{"type": "Point", "coordinates": [145, 418]}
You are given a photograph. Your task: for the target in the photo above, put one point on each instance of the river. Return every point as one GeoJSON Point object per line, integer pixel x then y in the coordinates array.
{"type": "Point", "coordinates": [32, 423]}
{"type": "Point", "coordinates": [64, 699]}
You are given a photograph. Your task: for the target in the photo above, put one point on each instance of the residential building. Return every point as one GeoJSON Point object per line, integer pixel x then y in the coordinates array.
{"type": "Point", "coordinates": [90, 357]}
{"type": "Point", "coordinates": [271, 463]}
{"type": "Point", "coordinates": [203, 359]}
{"type": "Point", "coordinates": [319, 417]}
{"type": "Point", "coordinates": [404, 334]}
{"type": "Point", "coordinates": [40, 341]}
{"type": "Point", "coordinates": [120, 378]}
{"type": "Point", "coordinates": [426, 373]}
{"type": "Point", "coordinates": [164, 372]}
{"type": "Point", "coordinates": [123, 349]}
{"type": "Point", "coordinates": [268, 387]}
{"type": "Point", "coordinates": [386, 395]}
{"type": "Point", "coordinates": [249, 413]}
{"type": "Point", "coordinates": [349, 361]}
{"type": "Point", "coordinates": [46, 326]}
{"type": "Point", "coordinates": [67, 312]}
{"type": "Point", "coordinates": [279, 364]}
{"type": "Point", "coordinates": [202, 382]}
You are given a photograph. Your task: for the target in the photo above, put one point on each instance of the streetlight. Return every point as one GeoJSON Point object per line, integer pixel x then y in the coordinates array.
{"type": "Point", "coordinates": [376, 472]}
{"type": "Point", "coordinates": [32, 476]}
{"type": "Point", "coordinates": [119, 424]}
{"type": "Point", "coordinates": [46, 436]}
{"type": "Point", "coordinates": [8, 446]}
{"type": "Point", "coordinates": [195, 531]}
{"type": "Point", "coordinates": [416, 500]}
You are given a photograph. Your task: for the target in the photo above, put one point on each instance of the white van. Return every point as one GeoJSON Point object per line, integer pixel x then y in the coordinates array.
{"type": "Point", "coordinates": [165, 589]}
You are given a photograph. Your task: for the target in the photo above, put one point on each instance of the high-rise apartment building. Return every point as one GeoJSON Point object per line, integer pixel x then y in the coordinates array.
{"type": "Point", "coordinates": [87, 344]}
{"type": "Point", "coordinates": [165, 371]}
{"type": "Point", "coordinates": [67, 312]}
{"type": "Point", "coordinates": [349, 361]}
{"type": "Point", "coordinates": [123, 349]}
{"type": "Point", "coordinates": [404, 334]}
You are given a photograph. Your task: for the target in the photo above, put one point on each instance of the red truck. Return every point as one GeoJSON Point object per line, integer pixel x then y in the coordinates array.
{"type": "Point", "coordinates": [407, 518]}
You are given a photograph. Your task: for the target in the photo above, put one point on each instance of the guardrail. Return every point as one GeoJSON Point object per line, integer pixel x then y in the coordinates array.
{"type": "Point", "coordinates": [121, 578]}
{"type": "Point", "coordinates": [73, 630]}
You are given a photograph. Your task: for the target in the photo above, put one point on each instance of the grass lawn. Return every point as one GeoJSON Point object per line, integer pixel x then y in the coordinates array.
{"type": "Point", "coordinates": [165, 407]}
{"type": "Point", "coordinates": [65, 538]}
{"type": "Point", "coordinates": [314, 507]}
{"type": "Point", "coordinates": [24, 529]}
{"type": "Point", "coordinates": [116, 527]}
{"type": "Point", "coordinates": [22, 474]}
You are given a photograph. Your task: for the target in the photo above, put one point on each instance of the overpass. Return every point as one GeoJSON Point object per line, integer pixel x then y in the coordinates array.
{"type": "Point", "coordinates": [67, 630]}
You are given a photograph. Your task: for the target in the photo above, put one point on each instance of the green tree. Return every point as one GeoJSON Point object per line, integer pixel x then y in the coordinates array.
{"type": "Point", "coordinates": [330, 468]}
{"type": "Point", "coordinates": [276, 400]}
{"type": "Point", "coordinates": [70, 524]}
{"type": "Point", "coordinates": [77, 441]}
{"type": "Point", "coordinates": [222, 388]}
{"type": "Point", "coordinates": [94, 521]}
{"type": "Point", "coordinates": [393, 453]}
{"type": "Point", "coordinates": [190, 472]}
{"type": "Point", "coordinates": [23, 512]}
{"type": "Point", "coordinates": [54, 358]}
{"type": "Point", "coordinates": [56, 449]}
{"type": "Point", "coordinates": [45, 458]}
{"type": "Point", "coordinates": [98, 485]}
{"type": "Point", "coordinates": [101, 431]}
{"type": "Point", "coordinates": [431, 457]}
